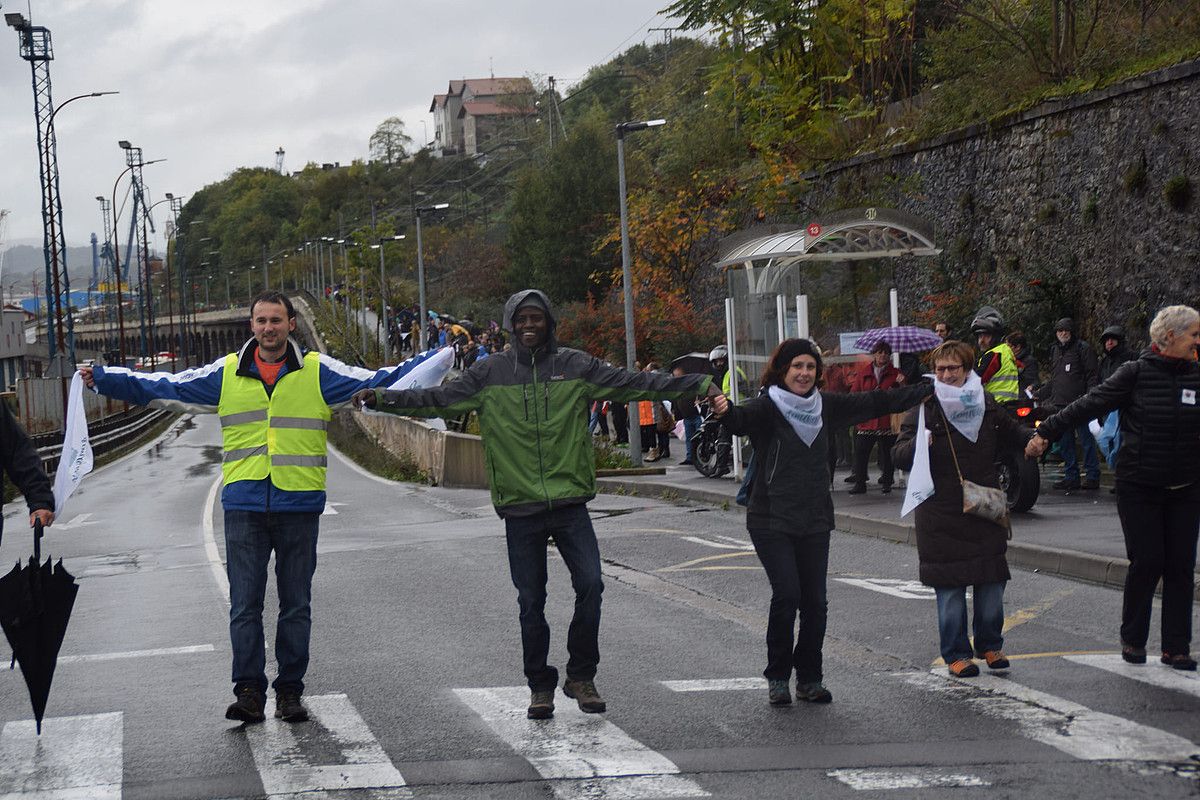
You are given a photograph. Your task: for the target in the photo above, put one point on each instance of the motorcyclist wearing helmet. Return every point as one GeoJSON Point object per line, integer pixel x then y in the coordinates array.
{"type": "Point", "coordinates": [997, 367]}
{"type": "Point", "coordinates": [718, 357]}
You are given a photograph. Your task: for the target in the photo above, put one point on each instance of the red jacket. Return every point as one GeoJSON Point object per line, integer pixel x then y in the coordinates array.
{"type": "Point", "coordinates": [863, 380]}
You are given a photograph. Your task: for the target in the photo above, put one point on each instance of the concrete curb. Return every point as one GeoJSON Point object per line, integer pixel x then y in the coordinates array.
{"type": "Point", "coordinates": [1073, 564]}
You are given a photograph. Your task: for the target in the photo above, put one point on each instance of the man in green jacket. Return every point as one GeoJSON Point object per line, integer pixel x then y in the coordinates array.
{"type": "Point", "coordinates": [532, 403]}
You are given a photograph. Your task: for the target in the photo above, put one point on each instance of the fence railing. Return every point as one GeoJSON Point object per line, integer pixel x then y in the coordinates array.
{"type": "Point", "coordinates": [106, 435]}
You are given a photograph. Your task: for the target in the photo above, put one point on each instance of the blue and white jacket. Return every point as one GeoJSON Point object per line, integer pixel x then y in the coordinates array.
{"type": "Point", "coordinates": [199, 391]}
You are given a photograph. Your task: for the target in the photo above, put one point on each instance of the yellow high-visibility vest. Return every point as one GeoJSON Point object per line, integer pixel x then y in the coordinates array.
{"type": "Point", "coordinates": [1004, 386]}
{"type": "Point", "coordinates": [281, 436]}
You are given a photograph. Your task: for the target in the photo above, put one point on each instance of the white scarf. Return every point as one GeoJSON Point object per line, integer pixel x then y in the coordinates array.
{"type": "Point", "coordinates": [803, 413]}
{"type": "Point", "coordinates": [963, 404]}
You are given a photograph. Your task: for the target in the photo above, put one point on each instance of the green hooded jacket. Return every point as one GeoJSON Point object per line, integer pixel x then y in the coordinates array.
{"type": "Point", "coordinates": [533, 413]}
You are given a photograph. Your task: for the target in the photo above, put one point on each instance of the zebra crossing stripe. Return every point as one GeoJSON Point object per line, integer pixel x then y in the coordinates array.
{"type": "Point", "coordinates": [584, 756]}
{"type": "Point", "coordinates": [280, 753]}
{"type": "Point", "coordinates": [716, 685]}
{"type": "Point", "coordinates": [75, 758]}
{"type": "Point", "coordinates": [1063, 724]}
{"type": "Point", "coordinates": [1162, 676]}
{"type": "Point", "coordinates": [873, 780]}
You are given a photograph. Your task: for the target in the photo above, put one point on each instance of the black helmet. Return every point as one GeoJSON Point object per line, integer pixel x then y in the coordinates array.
{"type": "Point", "coordinates": [988, 320]}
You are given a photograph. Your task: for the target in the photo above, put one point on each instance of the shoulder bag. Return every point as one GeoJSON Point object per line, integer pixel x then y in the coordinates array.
{"type": "Point", "coordinates": [987, 502]}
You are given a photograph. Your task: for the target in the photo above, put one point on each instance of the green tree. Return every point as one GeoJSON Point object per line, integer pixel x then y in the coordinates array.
{"type": "Point", "coordinates": [389, 143]}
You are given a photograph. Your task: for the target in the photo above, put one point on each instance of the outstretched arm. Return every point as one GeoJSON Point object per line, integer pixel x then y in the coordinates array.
{"type": "Point", "coordinates": [196, 390]}
{"type": "Point", "coordinates": [452, 399]}
{"type": "Point", "coordinates": [623, 385]}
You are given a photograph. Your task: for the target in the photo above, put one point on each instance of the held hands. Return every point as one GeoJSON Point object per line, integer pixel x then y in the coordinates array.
{"type": "Point", "coordinates": [720, 405]}
{"type": "Point", "coordinates": [43, 515]}
{"type": "Point", "coordinates": [1036, 446]}
{"type": "Point", "coordinates": [364, 399]}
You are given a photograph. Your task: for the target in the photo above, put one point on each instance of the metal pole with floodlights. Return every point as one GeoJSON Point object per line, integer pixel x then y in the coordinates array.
{"type": "Point", "coordinates": [424, 323]}
{"type": "Point", "coordinates": [635, 431]}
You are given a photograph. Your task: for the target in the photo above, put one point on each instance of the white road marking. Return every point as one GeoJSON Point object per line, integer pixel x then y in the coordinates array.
{"type": "Point", "coordinates": [161, 651]}
{"type": "Point", "coordinates": [720, 545]}
{"type": "Point", "coordinates": [279, 753]}
{"type": "Point", "coordinates": [716, 685]}
{"type": "Point", "coordinates": [330, 510]}
{"type": "Point", "coordinates": [1154, 674]}
{"type": "Point", "coordinates": [210, 542]}
{"type": "Point", "coordinates": [584, 756]}
{"type": "Point", "coordinates": [78, 521]}
{"type": "Point", "coordinates": [909, 590]}
{"type": "Point", "coordinates": [1063, 724]}
{"type": "Point", "coordinates": [75, 758]}
{"type": "Point", "coordinates": [871, 780]}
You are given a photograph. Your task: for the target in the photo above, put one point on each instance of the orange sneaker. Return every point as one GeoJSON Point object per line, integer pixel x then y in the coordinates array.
{"type": "Point", "coordinates": [995, 659]}
{"type": "Point", "coordinates": [963, 668]}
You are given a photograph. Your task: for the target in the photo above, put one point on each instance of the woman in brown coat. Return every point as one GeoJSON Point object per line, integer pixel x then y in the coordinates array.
{"type": "Point", "coordinates": [958, 550]}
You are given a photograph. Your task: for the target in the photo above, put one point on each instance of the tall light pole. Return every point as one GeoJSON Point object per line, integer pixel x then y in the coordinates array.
{"type": "Point", "coordinates": [385, 331]}
{"type": "Point", "coordinates": [117, 258]}
{"type": "Point", "coordinates": [635, 431]}
{"type": "Point", "coordinates": [249, 291]}
{"type": "Point", "coordinates": [424, 323]}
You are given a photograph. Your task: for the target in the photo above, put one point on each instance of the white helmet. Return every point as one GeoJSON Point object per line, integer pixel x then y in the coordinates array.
{"type": "Point", "coordinates": [720, 351]}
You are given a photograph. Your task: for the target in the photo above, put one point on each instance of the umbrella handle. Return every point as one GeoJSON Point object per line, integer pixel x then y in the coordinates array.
{"type": "Point", "coordinates": [37, 541]}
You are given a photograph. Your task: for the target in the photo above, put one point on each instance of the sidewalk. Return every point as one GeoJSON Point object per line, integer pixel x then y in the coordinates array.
{"type": "Point", "coordinates": [1075, 535]}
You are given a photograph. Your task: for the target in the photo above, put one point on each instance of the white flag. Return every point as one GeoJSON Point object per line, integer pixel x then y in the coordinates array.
{"type": "Point", "coordinates": [920, 480]}
{"type": "Point", "coordinates": [76, 459]}
{"type": "Point", "coordinates": [429, 372]}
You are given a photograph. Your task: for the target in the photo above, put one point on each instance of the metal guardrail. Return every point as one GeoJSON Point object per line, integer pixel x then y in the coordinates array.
{"type": "Point", "coordinates": [105, 435]}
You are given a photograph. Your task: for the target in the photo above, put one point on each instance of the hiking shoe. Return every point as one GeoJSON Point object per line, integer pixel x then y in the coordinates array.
{"type": "Point", "coordinates": [995, 659]}
{"type": "Point", "coordinates": [248, 707]}
{"type": "Point", "coordinates": [1067, 484]}
{"type": "Point", "coordinates": [963, 668]}
{"type": "Point", "coordinates": [858, 488]}
{"type": "Point", "coordinates": [541, 704]}
{"type": "Point", "coordinates": [289, 708]}
{"type": "Point", "coordinates": [813, 693]}
{"type": "Point", "coordinates": [1091, 483]}
{"type": "Point", "coordinates": [1180, 661]}
{"type": "Point", "coordinates": [778, 693]}
{"type": "Point", "coordinates": [1133, 655]}
{"type": "Point", "coordinates": [584, 693]}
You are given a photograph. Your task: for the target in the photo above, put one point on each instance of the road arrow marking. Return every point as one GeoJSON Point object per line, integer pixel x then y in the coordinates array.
{"type": "Point", "coordinates": [909, 590]}
{"type": "Point", "coordinates": [75, 758]}
{"type": "Point", "coordinates": [330, 510]}
{"type": "Point", "coordinates": [78, 521]}
{"type": "Point", "coordinates": [584, 756]}
{"type": "Point", "coordinates": [1161, 676]}
{"type": "Point", "coordinates": [1063, 724]}
{"type": "Point", "coordinates": [279, 750]}
{"type": "Point", "coordinates": [736, 544]}
{"type": "Point", "coordinates": [871, 780]}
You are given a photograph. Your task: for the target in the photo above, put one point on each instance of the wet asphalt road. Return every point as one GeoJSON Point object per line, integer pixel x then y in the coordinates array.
{"type": "Point", "coordinates": [415, 619]}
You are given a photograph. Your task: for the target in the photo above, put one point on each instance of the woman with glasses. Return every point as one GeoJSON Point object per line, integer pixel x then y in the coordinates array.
{"type": "Point", "coordinates": [965, 429]}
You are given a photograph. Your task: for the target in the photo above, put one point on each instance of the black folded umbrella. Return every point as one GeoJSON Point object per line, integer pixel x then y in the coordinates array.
{"type": "Point", "coordinates": [35, 607]}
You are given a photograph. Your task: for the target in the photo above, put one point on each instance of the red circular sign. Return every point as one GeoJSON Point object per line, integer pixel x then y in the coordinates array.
{"type": "Point", "coordinates": [814, 230]}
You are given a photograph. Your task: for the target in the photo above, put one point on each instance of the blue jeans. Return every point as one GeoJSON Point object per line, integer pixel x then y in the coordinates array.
{"type": "Point", "coordinates": [1091, 461]}
{"type": "Point", "coordinates": [796, 566]}
{"type": "Point", "coordinates": [691, 426]}
{"type": "Point", "coordinates": [250, 536]}
{"type": "Point", "coordinates": [952, 620]}
{"type": "Point", "coordinates": [571, 529]}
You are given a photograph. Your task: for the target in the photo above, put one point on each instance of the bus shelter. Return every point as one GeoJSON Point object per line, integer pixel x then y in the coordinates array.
{"type": "Point", "coordinates": [829, 280]}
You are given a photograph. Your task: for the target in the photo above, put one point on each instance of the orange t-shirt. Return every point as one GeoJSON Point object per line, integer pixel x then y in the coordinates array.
{"type": "Point", "coordinates": [268, 371]}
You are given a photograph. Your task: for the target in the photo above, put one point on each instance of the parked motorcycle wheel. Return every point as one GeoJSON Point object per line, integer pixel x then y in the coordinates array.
{"type": "Point", "coordinates": [1020, 480]}
{"type": "Point", "coordinates": [707, 455]}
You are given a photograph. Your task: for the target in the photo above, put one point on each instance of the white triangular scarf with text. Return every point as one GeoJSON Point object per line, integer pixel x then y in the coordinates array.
{"type": "Point", "coordinates": [802, 413]}
{"type": "Point", "coordinates": [963, 404]}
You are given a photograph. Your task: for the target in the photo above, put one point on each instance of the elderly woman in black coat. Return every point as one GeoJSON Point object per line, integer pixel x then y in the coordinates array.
{"type": "Point", "coordinates": [1158, 478]}
{"type": "Point", "coordinates": [966, 430]}
{"type": "Point", "coordinates": [790, 511]}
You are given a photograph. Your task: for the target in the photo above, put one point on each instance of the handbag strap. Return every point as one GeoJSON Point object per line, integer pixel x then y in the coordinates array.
{"type": "Point", "coordinates": [950, 439]}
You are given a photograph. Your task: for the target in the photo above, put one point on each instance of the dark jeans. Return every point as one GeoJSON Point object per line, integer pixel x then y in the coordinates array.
{"type": "Point", "coordinates": [863, 443]}
{"type": "Point", "coordinates": [796, 567]}
{"type": "Point", "coordinates": [571, 529]}
{"type": "Point", "coordinates": [691, 426]}
{"type": "Point", "coordinates": [250, 536]}
{"type": "Point", "coordinates": [598, 418]}
{"type": "Point", "coordinates": [1160, 527]}
{"type": "Point", "coordinates": [952, 620]}
{"type": "Point", "coordinates": [1091, 461]}
{"type": "Point", "coordinates": [620, 415]}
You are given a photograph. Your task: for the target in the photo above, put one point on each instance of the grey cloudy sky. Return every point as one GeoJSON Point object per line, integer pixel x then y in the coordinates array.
{"type": "Point", "coordinates": [214, 85]}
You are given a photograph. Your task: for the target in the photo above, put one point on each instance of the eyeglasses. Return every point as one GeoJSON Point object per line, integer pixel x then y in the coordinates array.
{"type": "Point", "coordinates": [949, 368]}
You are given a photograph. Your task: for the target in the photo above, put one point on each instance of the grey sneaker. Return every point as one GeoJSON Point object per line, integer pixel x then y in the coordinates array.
{"type": "Point", "coordinates": [248, 707]}
{"type": "Point", "coordinates": [779, 693]}
{"type": "Point", "coordinates": [584, 693]}
{"type": "Point", "coordinates": [813, 693]}
{"type": "Point", "coordinates": [289, 708]}
{"type": "Point", "coordinates": [541, 704]}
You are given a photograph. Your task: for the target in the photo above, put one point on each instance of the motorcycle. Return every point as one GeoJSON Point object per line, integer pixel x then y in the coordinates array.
{"type": "Point", "coordinates": [1020, 478]}
{"type": "Point", "coordinates": [712, 447]}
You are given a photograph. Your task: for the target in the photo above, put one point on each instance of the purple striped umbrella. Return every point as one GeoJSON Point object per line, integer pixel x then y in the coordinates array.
{"type": "Point", "coordinates": [902, 338]}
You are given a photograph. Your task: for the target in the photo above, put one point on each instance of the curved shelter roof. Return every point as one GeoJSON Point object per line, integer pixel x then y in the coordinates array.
{"type": "Point", "coordinates": [853, 234]}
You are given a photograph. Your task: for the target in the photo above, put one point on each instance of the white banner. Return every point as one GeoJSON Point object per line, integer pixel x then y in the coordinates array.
{"type": "Point", "coordinates": [76, 459]}
{"type": "Point", "coordinates": [920, 480]}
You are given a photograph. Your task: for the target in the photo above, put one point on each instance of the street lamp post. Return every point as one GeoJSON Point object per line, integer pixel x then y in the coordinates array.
{"type": "Point", "coordinates": [228, 296]}
{"type": "Point", "coordinates": [249, 291]}
{"type": "Point", "coordinates": [635, 431]}
{"type": "Point", "coordinates": [424, 322]}
{"type": "Point", "coordinates": [385, 331]}
{"type": "Point", "coordinates": [117, 259]}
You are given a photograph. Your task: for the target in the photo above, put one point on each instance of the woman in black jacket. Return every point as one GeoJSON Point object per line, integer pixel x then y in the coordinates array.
{"type": "Point", "coordinates": [790, 513]}
{"type": "Point", "coordinates": [1158, 478]}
